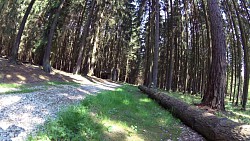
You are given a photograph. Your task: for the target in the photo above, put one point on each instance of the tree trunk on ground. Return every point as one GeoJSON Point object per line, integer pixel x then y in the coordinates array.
{"type": "Point", "coordinates": [205, 123]}
{"type": "Point", "coordinates": [15, 48]}
{"type": "Point", "coordinates": [214, 95]}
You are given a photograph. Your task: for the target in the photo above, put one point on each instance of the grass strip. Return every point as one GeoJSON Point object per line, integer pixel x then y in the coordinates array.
{"type": "Point", "coordinates": [123, 114]}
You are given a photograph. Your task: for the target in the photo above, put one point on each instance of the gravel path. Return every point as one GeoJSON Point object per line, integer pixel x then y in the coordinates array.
{"type": "Point", "coordinates": [20, 114]}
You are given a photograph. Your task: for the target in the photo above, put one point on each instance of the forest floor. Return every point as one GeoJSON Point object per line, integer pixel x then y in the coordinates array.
{"type": "Point", "coordinates": [232, 112]}
{"type": "Point", "coordinates": [29, 97]}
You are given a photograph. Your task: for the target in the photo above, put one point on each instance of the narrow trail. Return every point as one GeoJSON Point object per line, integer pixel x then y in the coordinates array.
{"type": "Point", "coordinates": [20, 114]}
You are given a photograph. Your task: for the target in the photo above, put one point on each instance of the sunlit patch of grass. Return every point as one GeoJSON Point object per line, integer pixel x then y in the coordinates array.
{"type": "Point", "coordinates": [5, 85]}
{"type": "Point", "coordinates": [236, 114]}
{"type": "Point", "coordinates": [123, 114]}
{"type": "Point", "coordinates": [25, 90]}
{"type": "Point", "coordinates": [232, 112]}
{"type": "Point", "coordinates": [188, 98]}
{"type": "Point", "coordinates": [57, 83]}
{"type": "Point", "coordinates": [28, 88]}
{"type": "Point", "coordinates": [15, 88]}
{"type": "Point", "coordinates": [73, 123]}
{"type": "Point", "coordinates": [146, 100]}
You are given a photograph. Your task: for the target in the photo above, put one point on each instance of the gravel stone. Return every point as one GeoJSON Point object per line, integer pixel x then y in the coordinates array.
{"type": "Point", "coordinates": [21, 114]}
{"type": "Point", "coordinates": [190, 135]}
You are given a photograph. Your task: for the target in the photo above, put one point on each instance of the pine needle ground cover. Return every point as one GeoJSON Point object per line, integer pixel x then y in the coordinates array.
{"type": "Point", "coordinates": [123, 114]}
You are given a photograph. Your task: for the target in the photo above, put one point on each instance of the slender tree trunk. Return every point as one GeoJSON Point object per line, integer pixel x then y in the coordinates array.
{"type": "Point", "coordinates": [147, 73]}
{"type": "Point", "coordinates": [232, 46]}
{"type": "Point", "coordinates": [77, 38]}
{"type": "Point", "coordinates": [1, 45]}
{"type": "Point", "coordinates": [246, 58]}
{"type": "Point", "coordinates": [83, 39]}
{"type": "Point", "coordinates": [46, 57]}
{"type": "Point", "coordinates": [186, 64]}
{"type": "Point", "coordinates": [214, 95]}
{"type": "Point", "coordinates": [94, 50]}
{"type": "Point", "coordinates": [15, 48]}
{"type": "Point", "coordinates": [170, 45]}
{"type": "Point", "coordinates": [156, 47]}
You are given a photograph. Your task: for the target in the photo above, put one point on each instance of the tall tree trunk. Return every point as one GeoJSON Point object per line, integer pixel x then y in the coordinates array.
{"type": "Point", "coordinates": [156, 47]}
{"type": "Point", "coordinates": [1, 45]}
{"type": "Point", "coordinates": [186, 52]}
{"type": "Point", "coordinates": [246, 58]}
{"type": "Point", "coordinates": [77, 38]}
{"type": "Point", "coordinates": [94, 50]}
{"type": "Point", "coordinates": [15, 48]}
{"type": "Point", "coordinates": [171, 48]}
{"type": "Point", "coordinates": [83, 39]}
{"type": "Point", "coordinates": [214, 95]}
{"type": "Point", "coordinates": [147, 73]}
{"type": "Point", "coordinates": [46, 57]}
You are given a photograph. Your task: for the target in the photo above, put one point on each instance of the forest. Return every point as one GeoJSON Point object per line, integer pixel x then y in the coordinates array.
{"type": "Point", "coordinates": [194, 47]}
{"type": "Point", "coordinates": [173, 45]}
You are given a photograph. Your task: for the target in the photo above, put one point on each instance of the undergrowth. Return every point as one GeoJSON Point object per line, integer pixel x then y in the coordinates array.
{"type": "Point", "coordinates": [233, 112]}
{"type": "Point", "coordinates": [123, 114]}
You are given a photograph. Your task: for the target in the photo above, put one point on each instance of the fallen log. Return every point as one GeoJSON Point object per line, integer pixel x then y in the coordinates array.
{"type": "Point", "coordinates": [207, 124]}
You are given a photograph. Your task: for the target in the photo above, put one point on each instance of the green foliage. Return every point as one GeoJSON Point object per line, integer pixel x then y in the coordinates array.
{"type": "Point", "coordinates": [28, 88]}
{"type": "Point", "coordinates": [112, 115]}
{"type": "Point", "coordinates": [232, 112]}
{"type": "Point", "coordinates": [74, 123]}
{"type": "Point", "coordinates": [188, 98]}
{"type": "Point", "coordinates": [4, 85]}
{"type": "Point", "coordinates": [56, 83]}
{"type": "Point", "coordinates": [235, 113]}
{"type": "Point", "coordinates": [23, 90]}
{"type": "Point", "coordinates": [16, 88]}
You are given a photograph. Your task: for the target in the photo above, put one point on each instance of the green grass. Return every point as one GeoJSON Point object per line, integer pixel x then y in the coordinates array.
{"type": "Point", "coordinates": [123, 114]}
{"type": "Point", "coordinates": [28, 88]}
{"type": "Point", "coordinates": [233, 112]}
{"type": "Point", "coordinates": [24, 90]}
{"type": "Point", "coordinates": [190, 99]}
{"type": "Point", "coordinates": [16, 88]}
{"type": "Point", "coordinates": [4, 85]}
{"type": "Point", "coordinates": [58, 83]}
{"type": "Point", "coordinates": [236, 114]}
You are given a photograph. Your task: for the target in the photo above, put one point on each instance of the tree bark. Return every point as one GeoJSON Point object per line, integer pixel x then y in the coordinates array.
{"type": "Point", "coordinates": [14, 51]}
{"type": "Point", "coordinates": [205, 123]}
{"type": "Point", "coordinates": [156, 47]}
{"type": "Point", "coordinates": [46, 57]}
{"type": "Point", "coordinates": [214, 95]}
{"type": "Point", "coordinates": [83, 39]}
{"type": "Point", "coordinates": [246, 59]}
